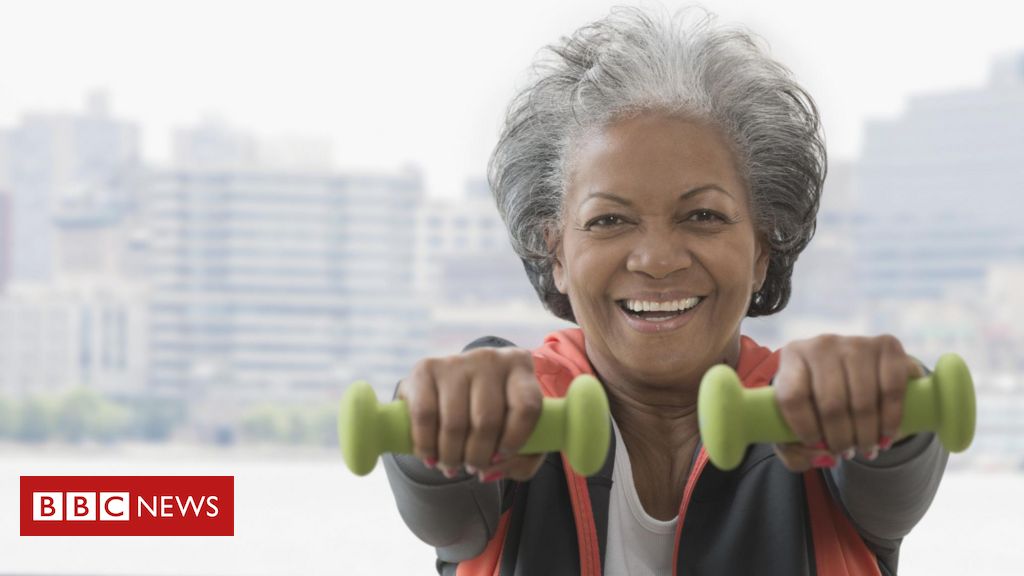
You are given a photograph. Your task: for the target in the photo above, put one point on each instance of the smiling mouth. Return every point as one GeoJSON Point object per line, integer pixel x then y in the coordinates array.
{"type": "Point", "coordinates": [658, 311]}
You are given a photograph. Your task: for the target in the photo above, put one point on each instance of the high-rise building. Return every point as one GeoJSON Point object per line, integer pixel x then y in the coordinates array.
{"type": "Point", "coordinates": [60, 336]}
{"type": "Point", "coordinates": [5, 239]}
{"type": "Point", "coordinates": [941, 188]}
{"type": "Point", "coordinates": [53, 159]}
{"type": "Point", "coordinates": [281, 286]}
{"type": "Point", "coordinates": [473, 280]}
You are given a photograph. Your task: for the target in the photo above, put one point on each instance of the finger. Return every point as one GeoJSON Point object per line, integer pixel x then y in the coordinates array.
{"type": "Point", "coordinates": [832, 402]}
{"type": "Point", "coordinates": [862, 378]}
{"type": "Point", "coordinates": [486, 418]}
{"type": "Point", "coordinates": [420, 393]}
{"type": "Point", "coordinates": [795, 399]}
{"type": "Point", "coordinates": [895, 369]}
{"type": "Point", "coordinates": [521, 468]}
{"type": "Point", "coordinates": [800, 458]}
{"type": "Point", "coordinates": [453, 422]}
{"type": "Point", "coordinates": [523, 404]}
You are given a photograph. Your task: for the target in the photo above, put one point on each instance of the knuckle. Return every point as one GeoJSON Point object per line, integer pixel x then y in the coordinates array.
{"type": "Point", "coordinates": [485, 355]}
{"type": "Point", "coordinates": [828, 340]}
{"type": "Point", "coordinates": [863, 409]}
{"type": "Point", "coordinates": [453, 427]}
{"type": "Point", "coordinates": [529, 402]}
{"type": "Point", "coordinates": [486, 426]}
{"type": "Point", "coordinates": [890, 342]}
{"type": "Point", "coordinates": [422, 415]}
{"type": "Point", "coordinates": [831, 409]}
{"type": "Point", "coordinates": [425, 366]}
{"type": "Point", "coordinates": [893, 394]}
{"type": "Point", "coordinates": [792, 398]}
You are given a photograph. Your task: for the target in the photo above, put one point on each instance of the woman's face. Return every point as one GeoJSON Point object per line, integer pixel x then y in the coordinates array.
{"type": "Point", "coordinates": [658, 253]}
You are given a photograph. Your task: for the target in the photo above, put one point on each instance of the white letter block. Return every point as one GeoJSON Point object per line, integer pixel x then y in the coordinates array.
{"type": "Point", "coordinates": [48, 506]}
{"type": "Point", "coordinates": [80, 506]}
{"type": "Point", "coordinates": [114, 506]}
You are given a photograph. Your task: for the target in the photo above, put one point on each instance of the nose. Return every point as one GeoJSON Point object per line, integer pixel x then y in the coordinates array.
{"type": "Point", "coordinates": [658, 255]}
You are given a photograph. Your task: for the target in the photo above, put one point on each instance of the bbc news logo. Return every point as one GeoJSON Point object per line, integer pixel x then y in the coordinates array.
{"type": "Point", "coordinates": [127, 505]}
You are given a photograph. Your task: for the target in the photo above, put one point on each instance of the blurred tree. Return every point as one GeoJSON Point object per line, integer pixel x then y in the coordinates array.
{"type": "Point", "coordinates": [156, 418]}
{"type": "Point", "coordinates": [75, 414]}
{"type": "Point", "coordinates": [263, 423]}
{"type": "Point", "coordinates": [8, 417]}
{"type": "Point", "coordinates": [110, 422]}
{"type": "Point", "coordinates": [36, 421]}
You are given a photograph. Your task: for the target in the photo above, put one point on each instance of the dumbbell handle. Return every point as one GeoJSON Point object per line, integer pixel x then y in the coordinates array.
{"type": "Point", "coordinates": [764, 420]}
{"type": "Point", "coordinates": [578, 425]}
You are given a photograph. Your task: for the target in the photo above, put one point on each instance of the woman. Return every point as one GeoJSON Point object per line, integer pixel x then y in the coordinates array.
{"type": "Point", "coordinates": [659, 179]}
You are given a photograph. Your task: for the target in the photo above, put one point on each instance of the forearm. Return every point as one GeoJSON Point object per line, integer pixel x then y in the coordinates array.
{"type": "Point", "coordinates": [886, 497]}
{"type": "Point", "coordinates": [457, 516]}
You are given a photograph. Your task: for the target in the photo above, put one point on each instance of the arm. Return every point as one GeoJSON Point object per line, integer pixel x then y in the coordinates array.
{"type": "Point", "coordinates": [887, 497]}
{"type": "Point", "coordinates": [458, 516]}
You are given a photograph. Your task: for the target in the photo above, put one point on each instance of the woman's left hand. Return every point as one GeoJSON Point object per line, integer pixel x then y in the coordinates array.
{"type": "Point", "coordinates": [841, 395]}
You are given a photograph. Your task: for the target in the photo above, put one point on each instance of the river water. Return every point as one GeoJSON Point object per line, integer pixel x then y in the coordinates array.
{"type": "Point", "coordinates": [303, 513]}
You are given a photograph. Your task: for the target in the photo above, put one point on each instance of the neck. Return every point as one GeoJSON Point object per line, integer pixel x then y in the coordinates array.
{"type": "Point", "coordinates": [659, 427]}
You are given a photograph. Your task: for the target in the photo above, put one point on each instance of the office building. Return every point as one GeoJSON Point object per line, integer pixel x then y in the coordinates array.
{"type": "Point", "coordinates": [271, 285]}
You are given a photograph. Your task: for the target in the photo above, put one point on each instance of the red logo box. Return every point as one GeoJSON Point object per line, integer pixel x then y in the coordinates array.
{"type": "Point", "coordinates": [127, 505]}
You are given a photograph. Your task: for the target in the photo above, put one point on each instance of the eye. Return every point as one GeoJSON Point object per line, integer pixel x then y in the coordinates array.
{"type": "Point", "coordinates": [706, 216]}
{"type": "Point", "coordinates": [605, 221]}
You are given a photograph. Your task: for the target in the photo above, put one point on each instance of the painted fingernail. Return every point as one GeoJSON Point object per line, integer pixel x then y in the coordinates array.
{"type": "Point", "coordinates": [448, 472]}
{"type": "Point", "coordinates": [430, 462]}
{"type": "Point", "coordinates": [872, 454]}
{"type": "Point", "coordinates": [849, 453]}
{"type": "Point", "coordinates": [470, 469]}
{"type": "Point", "coordinates": [492, 477]}
{"type": "Point", "coordinates": [885, 442]}
{"type": "Point", "coordinates": [823, 461]}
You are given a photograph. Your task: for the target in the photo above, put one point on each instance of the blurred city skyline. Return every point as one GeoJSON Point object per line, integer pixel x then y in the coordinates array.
{"type": "Point", "coordinates": [245, 270]}
{"type": "Point", "coordinates": [403, 83]}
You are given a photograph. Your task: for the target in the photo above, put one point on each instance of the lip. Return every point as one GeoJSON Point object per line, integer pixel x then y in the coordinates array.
{"type": "Point", "coordinates": [648, 327]}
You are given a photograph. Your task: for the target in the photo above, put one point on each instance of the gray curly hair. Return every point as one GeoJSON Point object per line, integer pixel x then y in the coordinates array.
{"type": "Point", "coordinates": [631, 62]}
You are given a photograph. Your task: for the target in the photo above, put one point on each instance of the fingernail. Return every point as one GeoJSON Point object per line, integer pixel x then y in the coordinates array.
{"type": "Point", "coordinates": [448, 472]}
{"type": "Point", "coordinates": [492, 477]}
{"type": "Point", "coordinates": [430, 462]}
{"type": "Point", "coordinates": [470, 469]}
{"type": "Point", "coordinates": [849, 453]}
{"type": "Point", "coordinates": [497, 458]}
{"type": "Point", "coordinates": [885, 442]}
{"type": "Point", "coordinates": [823, 461]}
{"type": "Point", "coordinates": [872, 454]}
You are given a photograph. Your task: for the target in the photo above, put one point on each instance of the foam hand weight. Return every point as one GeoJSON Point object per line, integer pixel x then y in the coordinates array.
{"type": "Point", "coordinates": [577, 425]}
{"type": "Point", "coordinates": [732, 417]}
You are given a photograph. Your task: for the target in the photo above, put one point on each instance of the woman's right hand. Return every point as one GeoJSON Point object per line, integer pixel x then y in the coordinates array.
{"type": "Point", "coordinates": [475, 410]}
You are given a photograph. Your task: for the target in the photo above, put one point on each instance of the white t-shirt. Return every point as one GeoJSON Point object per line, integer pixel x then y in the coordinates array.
{"type": "Point", "coordinates": [638, 544]}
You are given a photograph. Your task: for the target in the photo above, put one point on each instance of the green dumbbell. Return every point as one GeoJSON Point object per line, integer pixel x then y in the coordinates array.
{"type": "Point", "coordinates": [578, 425]}
{"type": "Point", "coordinates": [731, 416]}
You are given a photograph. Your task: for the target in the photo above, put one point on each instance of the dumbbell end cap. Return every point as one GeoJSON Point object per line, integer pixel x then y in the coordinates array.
{"type": "Point", "coordinates": [719, 413]}
{"type": "Point", "coordinates": [588, 432]}
{"type": "Point", "coordinates": [955, 389]}
{"type": "Point", "coordinates": [355, 428]}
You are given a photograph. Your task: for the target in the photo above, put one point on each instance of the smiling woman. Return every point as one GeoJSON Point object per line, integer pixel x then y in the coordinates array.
{"type": "Point", "coordinates": [659, 179]}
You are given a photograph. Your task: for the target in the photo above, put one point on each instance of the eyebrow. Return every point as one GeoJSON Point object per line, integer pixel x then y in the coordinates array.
{"type": "Point", "coordinates": [626, 202]}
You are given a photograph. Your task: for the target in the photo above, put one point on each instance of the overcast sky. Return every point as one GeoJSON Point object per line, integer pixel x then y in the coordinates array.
{"type": "Point", "coordinates": [420, 82]}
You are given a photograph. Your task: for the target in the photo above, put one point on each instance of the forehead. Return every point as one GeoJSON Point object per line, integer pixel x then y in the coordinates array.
{"type": "Point", "coordinates": [652, 155]}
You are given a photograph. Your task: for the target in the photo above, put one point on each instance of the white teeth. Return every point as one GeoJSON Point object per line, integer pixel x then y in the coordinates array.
{"type": "Point", "coordinates": [672, 306]}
